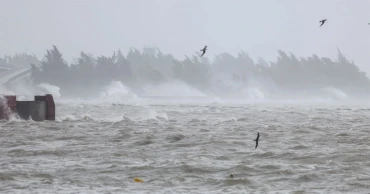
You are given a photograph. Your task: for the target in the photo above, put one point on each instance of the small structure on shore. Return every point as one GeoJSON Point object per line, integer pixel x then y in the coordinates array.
{"type": "Point", "coordinates": [42, 108]}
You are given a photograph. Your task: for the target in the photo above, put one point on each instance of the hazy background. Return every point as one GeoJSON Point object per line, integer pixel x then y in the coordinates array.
{"type": "Point", "coordinates": [183, 27]}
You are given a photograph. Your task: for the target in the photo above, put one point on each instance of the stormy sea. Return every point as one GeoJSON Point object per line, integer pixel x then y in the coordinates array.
{"type": "Point", "coordinates": [188, 145]}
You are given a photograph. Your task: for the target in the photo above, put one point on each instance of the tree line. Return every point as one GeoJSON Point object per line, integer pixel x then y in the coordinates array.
{"type": "Point", "coordinates": [88, 74]}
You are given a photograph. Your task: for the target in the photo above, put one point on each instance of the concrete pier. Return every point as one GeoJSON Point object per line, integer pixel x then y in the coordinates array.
{"type": "Point", "coordinates": [42, 108]}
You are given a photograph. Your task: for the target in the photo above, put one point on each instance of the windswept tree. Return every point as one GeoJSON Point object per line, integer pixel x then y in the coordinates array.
{"type": "Point", "coordinates": [85, 68]}
{"type": "Point", "coordinates": [141, 66]}
{"type": "Point", "coordinates": [106, 67]}
{"type": "Point", "coordinates": [193, 72]}
{"type": "Point", "coordinates": [123, 68]}
{"type": "Point", "coordinates": [54, 69]}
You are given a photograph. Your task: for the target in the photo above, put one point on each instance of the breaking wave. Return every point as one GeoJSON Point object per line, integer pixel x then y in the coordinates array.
{"type": "Point", "coordinates": [176, 91]}
{"type": "Point", "coordinates": [5, 91]}
{"type": "Point", "coordinates": [118, 93]}
{"type": "Point", "coordinates": [175, 88]}
{"type": "Point", "coordinates": [335, 93]}
{"type": "Point", "coordinates": [143, 114]}
{"type": "Point", "coordinates": [46, 88]}
{"type": "Point", "coordinates": [253, 93]}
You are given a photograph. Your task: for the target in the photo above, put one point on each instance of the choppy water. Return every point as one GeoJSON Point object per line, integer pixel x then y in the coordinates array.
{"type": "Point", "coordinates": [189, 148]}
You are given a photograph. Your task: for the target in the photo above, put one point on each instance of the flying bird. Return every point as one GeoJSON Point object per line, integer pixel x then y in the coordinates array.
{"type": "Point", "coordinates": [256, 140]}
{"type": "Point", "coordinates": [322, 22]}
{"type": "Point", "coordinates": [204, 50]}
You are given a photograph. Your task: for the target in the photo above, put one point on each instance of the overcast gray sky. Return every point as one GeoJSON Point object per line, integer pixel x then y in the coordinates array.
{"type": "Point", "coordinates": [182, 27]}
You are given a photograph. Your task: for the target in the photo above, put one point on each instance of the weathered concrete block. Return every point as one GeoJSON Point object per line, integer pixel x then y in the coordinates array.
{"type": "Point", "coordinates": [50, 106]}
{"type": "Point", "coordinates": [36, 110]}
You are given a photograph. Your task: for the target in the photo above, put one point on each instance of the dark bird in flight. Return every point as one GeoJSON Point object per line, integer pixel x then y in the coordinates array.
{"type": "Point", "coordinates": [204, 50]}
{"type": "Point", "coordinates": [322, 22]}
{"type": "Point", "coordinates": [256, 140]}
